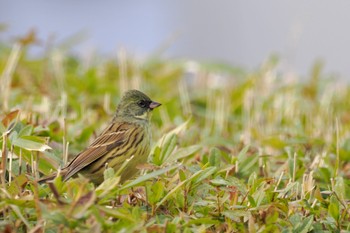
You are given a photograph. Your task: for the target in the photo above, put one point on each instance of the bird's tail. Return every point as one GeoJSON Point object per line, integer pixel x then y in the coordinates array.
{"type": "Point", "coordinates": [53, 176]}
{"type": "Point", "coordinates": [47, 178]}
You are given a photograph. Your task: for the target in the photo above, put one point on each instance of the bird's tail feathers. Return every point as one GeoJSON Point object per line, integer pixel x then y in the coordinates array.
{"type": "Point", "coordinates": [47, 178]}
{"type": "Point", "coordinates": [52, 176]}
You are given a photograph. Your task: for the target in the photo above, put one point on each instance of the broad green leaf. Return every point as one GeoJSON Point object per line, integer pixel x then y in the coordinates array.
{"type": "Point", "coordinates": [183, 153]}
{"type": "Point", "coordinates": [334, 208]}
{"type": "Point", "coordinates": [196, 177]}
{"type": "Point", "coordinates": [56, 217]}
{"type": "Point", "coordinates": [167, 148]}
{"type": "Point", "coordinates": [149, 176]}
{"type": "Point", "coordinates": [290, 187]}
{"type": "Point", "coordinates": [304, 226]}
{"type": "Point", "coordinates": [215, 157]}
{"type": "Point", "coordinates": [107, 185]}
{"type": "Point", "coordinates": [40, 128]}
{"type": "Point", "coordinates": [259, 195]}
{"type": "Point", "coordinates": [116, 213]}
{"type": "Point", "coordinates": [339, 188]}
{"type": "Point", "coordinates": [46, 164]}
{"type": "Point", "coordinates": [242, 154]}
{"type": "Point", "coordinates": [20, 202]}
{"type": "Point", "coordinates": [170, 227]}
{"type": "Point", "coordinates": [204, 174]}
{"type": "Point", "coordinates": [251, 201]}
{"type": "Point", "coordinates": [219, 181]}
{"type": "Point", "coordinates": [200, 221]}
{"type": "Point", "coordinates": [168, 135]}
{"type": "Point", "coordinates": [15, 187]}
{"type": "Point", "coordinates": [108, 173]}
{"type": "Point", "coordinates": [31, 143]}
{"type": "Point", "coordinates": [252, 182]}
{"type": "Point", "coordinates": [182, 175]}
{"type": "Point", "coordinates": [235, 214]}
{"type": "Point", "coordinates": [13, 136]}
{"type": "Point", "coordinates": [246, 164]}
{"type": "Point", "coordinates": [155, 158]}
{"type": "Point", "coordinates": [26, 131]}
{"type": "Point", "coordinates": [155, 192]}
{"type": "Point", "coordinates": [239, 184]}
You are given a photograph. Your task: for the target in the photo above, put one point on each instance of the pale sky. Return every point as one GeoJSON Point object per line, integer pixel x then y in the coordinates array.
{"type": "Point", "coordinates": [241, 32]}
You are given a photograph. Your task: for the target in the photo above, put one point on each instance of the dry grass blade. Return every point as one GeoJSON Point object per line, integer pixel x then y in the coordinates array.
{"type": "Point", "coordinates": [6, 77]}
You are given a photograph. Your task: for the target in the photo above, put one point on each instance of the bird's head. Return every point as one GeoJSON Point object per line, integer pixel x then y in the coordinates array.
{"type": "Point", "coordinates": [136, 104]}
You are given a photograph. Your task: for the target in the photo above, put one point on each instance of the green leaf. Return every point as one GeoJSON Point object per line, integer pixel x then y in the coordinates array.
{"type": "Point", "coordinates": [339, 188]}
{"type": "Point", "coordinates": [182, 175]}
{"type": "Point", "coordinates": [215, 157]}
{"type": "Point", "coordinates": [31, 143]}
{"type": "Point", "coordinates": [290, 187]}
{"type": "Point", "coordinates": [235, 215]}
{"type": "Point", "coordinates": [108, 173]}
{"type": "Point", "coordinates": [219, 181]}
{"type": "Point", "coordinates": [183, 153]}
{"type": "Point", "coordinates": [170, 227]}
{"type": "Point", "coordinates": [15, 187]}
{"type": "Point", "coordinates": [246, 165]}
{"type": "Point", "coordinates": [155, 159]}
{"type": "Point", "coordinates": [20, 202]}
{"type": "Point", "coordinates": [47, 163]}
{"type": "Point", "coordinates": [116, 213]}
{"type": "Point", "coordinates": [148, 176]}
{"type": "Point", "coordinates": [252, 182]}
{"type": "Point", "coordinates": [259, 195]}
{"type": "Point", "coordinates": [304, 226]}
{"type": "Point", "coordinates": [200, 221]}
{"type": "Point", "coordinates": [156, 192]}
{"type": "Point", "coordinates": [204, 174]}
{"type": "Point", "coordinates": [242, 154]}
{"type": "Point", "coordinates": [334, 208]}
{"type": "Point", "coordinates": [107, 185]}
{"type": "Point", "coordinates": [26, 131]}
{"type": "Point", "coordinates": [251, 201]}
{"type": "Point", "coordinates": [196, 177]}
{"type": "Point", "coordinates": [167, 148]}
{"type": "Point", "coordinates": [175, 131]}
{"type": "Point", "coordinates": [167, 144]}
{"type": "Point", "coordinates": [56, 217]}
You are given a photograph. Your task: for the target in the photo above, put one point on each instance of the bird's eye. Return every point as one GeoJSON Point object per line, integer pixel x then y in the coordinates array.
{"type": "Point", "coordinates": [142, 104]}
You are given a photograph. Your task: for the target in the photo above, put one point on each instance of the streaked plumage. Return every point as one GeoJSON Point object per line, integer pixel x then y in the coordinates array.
{"type": "Point", "coordinates": [127, 135]}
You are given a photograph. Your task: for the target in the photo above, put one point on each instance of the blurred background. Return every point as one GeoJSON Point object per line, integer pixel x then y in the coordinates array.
{"type": "Point", "coordinates": [239, 33]}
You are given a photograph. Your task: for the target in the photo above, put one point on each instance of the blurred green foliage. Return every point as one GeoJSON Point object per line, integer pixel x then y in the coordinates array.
{"type": "Point", "coordinates": [234, 150]}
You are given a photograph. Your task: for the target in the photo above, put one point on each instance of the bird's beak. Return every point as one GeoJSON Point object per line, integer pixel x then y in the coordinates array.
{"type": "Point", "coordinates": [154, 105]}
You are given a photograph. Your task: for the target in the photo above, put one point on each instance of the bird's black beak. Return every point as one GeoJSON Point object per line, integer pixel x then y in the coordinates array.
{"type": "Point", "coordinates": [154, 105]}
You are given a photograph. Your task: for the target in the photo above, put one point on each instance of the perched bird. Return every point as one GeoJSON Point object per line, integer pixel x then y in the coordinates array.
{"type": "Point", "coordinates": [128, 134]}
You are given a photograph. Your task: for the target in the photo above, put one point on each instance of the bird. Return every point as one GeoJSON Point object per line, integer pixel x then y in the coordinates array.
{"type": "Point", "coordinates": [127, 136]}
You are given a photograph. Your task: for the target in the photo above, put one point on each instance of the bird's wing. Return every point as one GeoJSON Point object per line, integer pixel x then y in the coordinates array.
{"type": "Point", "coordinates": [116, 135]}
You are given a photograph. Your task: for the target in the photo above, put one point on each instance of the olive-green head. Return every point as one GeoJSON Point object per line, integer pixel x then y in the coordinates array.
{"type": "Point", "coordinates": [136, 104]}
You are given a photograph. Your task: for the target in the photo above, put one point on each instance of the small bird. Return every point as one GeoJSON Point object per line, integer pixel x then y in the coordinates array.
{"type": "Point", "coordinates": [128, 134]}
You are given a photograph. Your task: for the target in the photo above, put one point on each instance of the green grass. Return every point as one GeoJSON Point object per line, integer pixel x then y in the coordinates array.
{"type": "Point", "coordinates": [234, 151]}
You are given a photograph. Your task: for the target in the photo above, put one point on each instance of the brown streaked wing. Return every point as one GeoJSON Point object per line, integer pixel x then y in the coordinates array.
{"type": "Point", "coordinates": [104, 143]}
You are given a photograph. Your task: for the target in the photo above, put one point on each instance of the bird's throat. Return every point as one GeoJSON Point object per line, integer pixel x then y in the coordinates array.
{"type": "Point", "coordinates": [145, 116]}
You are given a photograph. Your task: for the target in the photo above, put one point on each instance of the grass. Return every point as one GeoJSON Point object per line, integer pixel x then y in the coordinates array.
{"type": "Point", "coordinates": [234, 151]}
